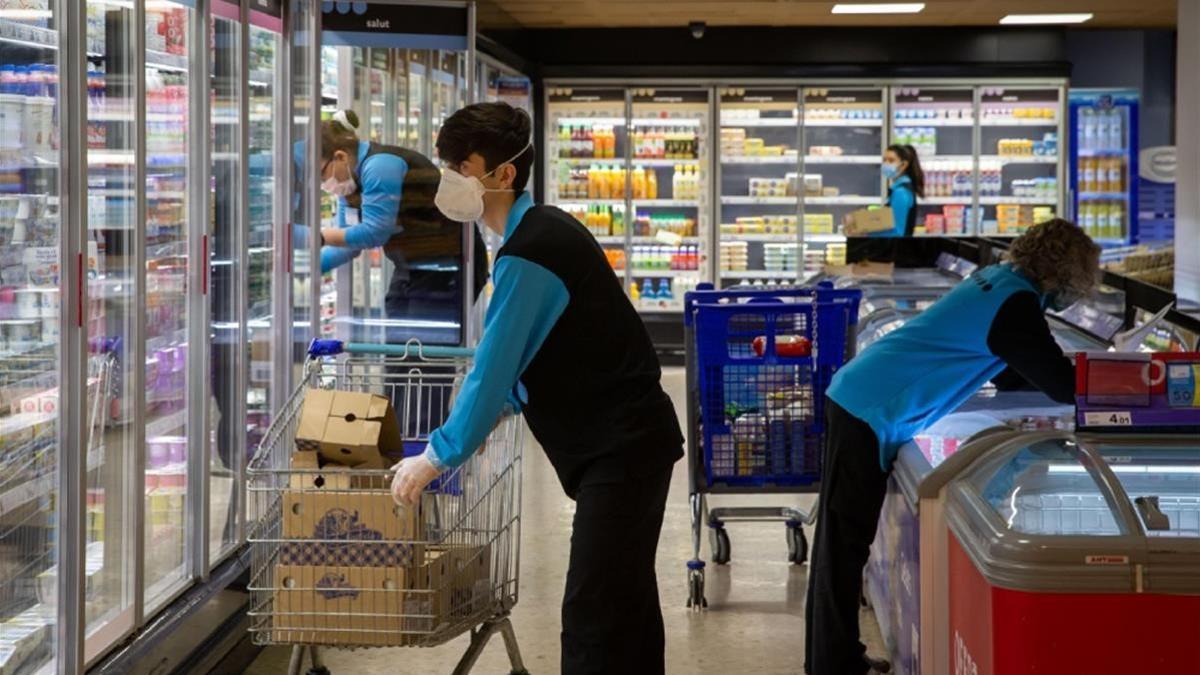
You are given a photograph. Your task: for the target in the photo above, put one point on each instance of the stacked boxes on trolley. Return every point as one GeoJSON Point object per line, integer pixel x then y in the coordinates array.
{"type": "Point", "coordinates": [763, 361]}
{"type": "Point", "coordinates": [352, 566]}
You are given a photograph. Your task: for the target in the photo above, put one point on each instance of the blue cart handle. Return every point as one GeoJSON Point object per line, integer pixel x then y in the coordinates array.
{"type": "Point", "coordinates": [413, 348]}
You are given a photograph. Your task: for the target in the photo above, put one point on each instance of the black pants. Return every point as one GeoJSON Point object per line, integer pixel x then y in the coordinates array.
{"type": "Point", "coordinates": [611, 617]}
{"type": "Point", "coordinates": [852, 491]}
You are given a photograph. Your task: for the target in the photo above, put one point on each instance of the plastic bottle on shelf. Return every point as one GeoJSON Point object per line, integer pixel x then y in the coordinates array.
{"type": "Point", "coordinates": [1116, 174]}
{"type": "Point", "coordinates": [1116, 219]}
{"type": "Point", "coordinates": [1116, 130]}
{"type": "Point", "coordinates": [648, 291]}
{"type": "Point", "coordinates": [1100, 120]}
{"type": "Point", "coordinates": [639, 183]}
{"type": "Point", "coordinates": [651, 184]}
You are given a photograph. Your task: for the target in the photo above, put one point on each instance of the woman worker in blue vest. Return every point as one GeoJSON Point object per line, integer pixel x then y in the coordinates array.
{"type": "Point", "coordinates": [385, 199]}
{"type": "Point", "coordinates": [907, 381]}
{"type": "Point", "coordinates": [906, 182]}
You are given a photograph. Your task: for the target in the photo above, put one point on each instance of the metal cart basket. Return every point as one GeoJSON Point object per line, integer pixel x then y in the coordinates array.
{"type": "Point", "coordinates": [336, 563]}
{"type": "Point", "coordinates": [758, 364]}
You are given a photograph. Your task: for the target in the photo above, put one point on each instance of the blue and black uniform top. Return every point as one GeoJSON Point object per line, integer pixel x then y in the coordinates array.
{"type": "Point", "coordinates": [903, 200]}
{"type": "Point", "coordinates": [924, 370]}
{"type": "Point", "coordinates": [563, 344]}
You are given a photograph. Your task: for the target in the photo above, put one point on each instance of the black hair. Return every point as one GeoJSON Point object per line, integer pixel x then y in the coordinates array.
{"type": "Point", "coordinates": [908, 155]}
{"type": "Point", "coordinates": [497, 131]}
{"type": "Point", "coordinates": [335, 135]}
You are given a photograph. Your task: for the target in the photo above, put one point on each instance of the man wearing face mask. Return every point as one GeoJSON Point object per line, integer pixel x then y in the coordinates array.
{"type": "Point", "coordinates": [908, 380]}
{"type": "Point", "coordinates": [385, 199]}
{"type": "Point", "coordinates": [563, 345]}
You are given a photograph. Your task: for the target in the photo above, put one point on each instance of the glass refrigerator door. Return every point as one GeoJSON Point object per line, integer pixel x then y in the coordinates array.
{"type": "Point", "coordinates": [225, 460]}
{"type": "Point", "coordinates": [670, 192]}
{"type": "Point", "coordinates": [843, 147]}
{"type": "Point", "coordinates": [759, 169]}
{"type": "Point", "coordinates": [940, 125]}
{"type": "Point", "coordinates": [1103, 170]}
{"type": "Point", "coordinates": [1019, 157]}
{"type": "Point", "coordinates": [417, 68]}
{"type": "Point", "coordinates": [29, 339]}
{"type": "Point", "coordinates": [585, 163]}
{"type": "Point", "coordinates": [444, 88]}
{"type": "Point", "coordinates": [166, 248]}
{"type": "Point", "coordinates": [265, 107]}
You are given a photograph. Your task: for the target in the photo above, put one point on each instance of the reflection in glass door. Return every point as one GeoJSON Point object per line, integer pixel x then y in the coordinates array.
{"type": "Point", "coordinates": [1019, 161]}
{"type": "Point", "coordinates": [29, 335]}
{"type": "Point", "coordinates": [167, 133]}
{"type": "Point", "coordinates": [112, 313]}
{"type": "Point", "coordinates": [302, 91]}
{"type": "Point", "coordinates": [222, 387]}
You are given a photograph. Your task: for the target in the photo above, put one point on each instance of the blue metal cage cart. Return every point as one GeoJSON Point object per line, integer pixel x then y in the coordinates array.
{"type": "Point", "coordinates": [758, 363]}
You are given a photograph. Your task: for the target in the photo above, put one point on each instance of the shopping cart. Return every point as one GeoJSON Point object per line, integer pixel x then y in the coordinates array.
{"type": "Point", "coordinates": [755, 404]}
{"type": "Point", "coordinates": [367, 572]}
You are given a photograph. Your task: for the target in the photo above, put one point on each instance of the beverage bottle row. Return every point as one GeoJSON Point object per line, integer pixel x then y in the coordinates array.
{"type": "Point", "coordinates": [649, 225]}
{"type": "Point", "coordinates": [685, 183]}
{"type": "Point", "coordinates": [923, 139]}
{"type": "Point", "coordinates": [597, 141]}
{"type": "Point", "coordinates": [1100, 129]}
{"type": "Point", "coordinates": [603, 221]}
{"type": "Point", "coordinates": [38, 79]}
{"type": "Point", "coordinates": [1103, 219]}
{"type": "Point", "coordinates": [608, 182]}
{"type": "Point", "coordinates": [1101, 174]}
{"type": "Point", "coordinates": [664, 143]}
{"type": "Point", "coordinates": [665, 291]}
{"type": "Point", "coordinates": [685, 257]}
{"type": "Point", "coordinates": [951, 179]}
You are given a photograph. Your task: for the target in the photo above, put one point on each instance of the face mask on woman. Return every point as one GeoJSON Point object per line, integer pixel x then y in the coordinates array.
{"type": "Point", "coordinates": [889, 171]}
{"type": "Point", "coordinates": [460, 197]}
{"type": "Point", "coordinates": [339, 188]}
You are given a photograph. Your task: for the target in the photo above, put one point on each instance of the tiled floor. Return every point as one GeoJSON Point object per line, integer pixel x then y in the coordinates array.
{"type": "Point", "coordinates": [754, 622]}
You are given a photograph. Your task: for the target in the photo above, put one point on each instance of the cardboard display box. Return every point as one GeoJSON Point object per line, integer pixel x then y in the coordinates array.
{"type": "Point", "coordinates": [308, 474]}
{"type": "Point", "coordinates": [349, 515]}
{"type": "Point", "coordinates": [867, 221]}
{"type": "Point", "coordinates": [339, 605]}
{"type": "Point", "coordinates": [348, 427]}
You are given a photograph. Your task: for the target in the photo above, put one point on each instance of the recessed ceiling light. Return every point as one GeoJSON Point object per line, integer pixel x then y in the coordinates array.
{"type": "Point", "coordinates": [1046, 18]}
{"type": "Point", "coordinates": [879, 8]}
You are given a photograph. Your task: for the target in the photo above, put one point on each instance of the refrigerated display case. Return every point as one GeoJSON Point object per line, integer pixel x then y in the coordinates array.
{"type": "Point", "coordinates": [667, 240]}
{"type": "Point", "coordinates": [758, 173]}
{"type": "Point", "coordinates": [1104, 161]}
{"type": "Point", "coordinates": [585, 163]}
{"type": "Point", "coordinates": [1021, 172]}
{"type": "Point", "coordinates": [30, 246]}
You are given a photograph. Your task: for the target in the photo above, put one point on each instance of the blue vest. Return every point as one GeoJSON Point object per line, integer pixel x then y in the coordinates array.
{"type": "Point", "coordinates": [925, 369]}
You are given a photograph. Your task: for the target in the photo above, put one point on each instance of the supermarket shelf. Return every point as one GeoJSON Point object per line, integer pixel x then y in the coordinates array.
{"type": "Point", "coordinates": [666, 122]}
{"type": "Point", "coordinates": [1122, 196]}
{"type": "Point", "coordinates": [841, 159]}
{"type": "Point", "coordinates": [1103, 153]}
{"type": "Point", "coordinates": [611, 241]}
{"type": "Point", "coordinates": [764, 122]}
{"type": "Point", "coordinates": [589, 202]}
{"type": "Point", "coordinates": [98, 157]}
{"type": "Point", "coordinates": [658, 161]}
{"type": "Point", "coordinates": [680, 203]}
{"type": "Point", "coordinates": [618, 240]}
{"type": "Point", "coordinates": [1019, 123]}
{"type": "Point", "coordinates": [44, 484]}
{"type": "Point", "coordinates": [965, 201]}
{"type": "Point", "coordinates": [165, 61]}
{"type": "Point", "coordinates": [1035, 201]}
{"type": "Point", "coordinates": [824, 238]}
{"type": "Point", "coordinates": [957, 122]}
{"type": "Point", "coordinates": [655, 274]}
{"type": "Point", "coordinates": [759, 274]}
{"type": "Point", "coordinates": [844, 123]}
{"type": "Point", "coordinates": [753, 159]}
{"type": "Point", "coordinates": [1117, 241]}
{"type": "Point", "coordinates": [759, 201]}
{"type": "Point", "coordinates": [670, 309]}
{"type": "Point", "coordinates": [572, 121]}
{"type": "Point", "coordinates": [24, 34]}
{"type": "Point", "coordinates": [848, 200]}
{"type": "Point", "coordinates": [1020, 159]}
{"type": "Point", "coordinates": [809, 238]}
{"type": "Point", "coordinates": [584, 161]}
{"type": "Point", "coordinates": [163, 426]}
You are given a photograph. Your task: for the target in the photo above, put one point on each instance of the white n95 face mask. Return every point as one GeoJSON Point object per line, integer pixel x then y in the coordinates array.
{"type": "Point", "coordinates": [460, 197]}
{"type": "Point", "coordinates": [339, 188]}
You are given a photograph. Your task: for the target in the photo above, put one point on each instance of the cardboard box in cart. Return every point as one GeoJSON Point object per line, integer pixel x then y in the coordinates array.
{"type": "Point", "coordinates": [349, 427]}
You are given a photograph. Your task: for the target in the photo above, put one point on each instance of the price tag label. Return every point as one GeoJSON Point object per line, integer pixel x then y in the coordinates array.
{"type": "Point", "coordinates": [1108, 419]}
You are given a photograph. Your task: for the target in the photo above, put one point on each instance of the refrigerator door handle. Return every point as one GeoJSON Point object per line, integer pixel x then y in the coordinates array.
{"type": "Point", "coordinates": [204, 263]}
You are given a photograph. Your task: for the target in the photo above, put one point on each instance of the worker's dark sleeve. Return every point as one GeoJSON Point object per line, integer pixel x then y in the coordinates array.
{"type": "Point", "coordinates": [1021, 337]}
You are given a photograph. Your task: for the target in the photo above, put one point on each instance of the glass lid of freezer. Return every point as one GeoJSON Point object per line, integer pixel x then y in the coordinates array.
{"type": "Point", "coordinates": [1163, 481]}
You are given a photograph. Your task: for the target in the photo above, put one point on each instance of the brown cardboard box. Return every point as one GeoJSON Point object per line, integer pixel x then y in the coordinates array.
{"type": "Point", "coordinates": [866, 221]}
{"type": "Point", "coordinates": [349, 515]}
{"type": "Point", "coordinates": [333, 476]}
{"type": "Point", "coordinates": [458, 582]}
{"type": "Point", "coordinates": [348, 427]}
{"type": "Point", "coordinates": [339, 605]}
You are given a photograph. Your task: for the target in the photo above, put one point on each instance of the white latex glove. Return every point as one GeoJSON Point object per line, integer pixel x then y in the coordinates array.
{"type": "Point", "coordinates": [413, 474]}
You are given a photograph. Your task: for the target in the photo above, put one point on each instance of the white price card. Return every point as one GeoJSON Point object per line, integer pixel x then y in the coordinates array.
{"type": "Point", "coordinates": [1108, 419]}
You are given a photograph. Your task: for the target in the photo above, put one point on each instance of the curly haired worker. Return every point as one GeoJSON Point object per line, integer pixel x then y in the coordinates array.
{"type": "Point", "coordinates": [907, 381]}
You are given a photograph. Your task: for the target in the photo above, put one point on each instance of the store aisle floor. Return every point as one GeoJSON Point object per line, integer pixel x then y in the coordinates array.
{"type": "Point", "coordinates": [754, 623]}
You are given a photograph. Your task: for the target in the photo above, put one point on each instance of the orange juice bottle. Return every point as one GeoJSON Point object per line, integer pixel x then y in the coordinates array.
{"type": "Point", "coordinates": [639, 183]}
{"type": "Point", "coordinates": [606, 221]}
{"type": "Point", "coordinates": [593, 182]}
{"type": "Point", "coordinates": [651, 184]}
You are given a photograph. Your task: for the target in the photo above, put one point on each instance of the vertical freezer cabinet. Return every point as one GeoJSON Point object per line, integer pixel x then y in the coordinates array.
{"type": "Point", "coordinates": [1104, 163]}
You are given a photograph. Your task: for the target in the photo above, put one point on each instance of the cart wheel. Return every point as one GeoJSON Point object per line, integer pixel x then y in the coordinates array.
{"type": "Point", "coordinates": [718, 538]}
{"type": "Point", "coordinates": [696, 599]}
{"type": "Point", "coordinates": [797, 545]}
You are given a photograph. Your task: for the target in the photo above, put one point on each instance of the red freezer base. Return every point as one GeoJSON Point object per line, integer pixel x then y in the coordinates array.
{"type": "Point", "coordinates": [996, 631]}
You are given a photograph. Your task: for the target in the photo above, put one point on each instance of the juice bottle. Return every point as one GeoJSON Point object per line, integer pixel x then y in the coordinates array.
{"type": "Point", "coordinates": [1116, 175]}
{"type": "Point", "coordinates": [639, 183]}
{"type": "Point", "coordinates": [610, 142]}
{"type": "Point", "coordinates": [606, 221]}
{"type": "Point", "coordinates": [651, 184]}
{"type": "Point", "coordinates": [564, 140]}
{"type": "Point", "coordinates": [634, 293]}
{"type": "Point", "coordinates": [618, 222]}
{"type": "Point", "coordinates": [593, 182]}
{"type": "Point", "coordinates": [1116, 218]}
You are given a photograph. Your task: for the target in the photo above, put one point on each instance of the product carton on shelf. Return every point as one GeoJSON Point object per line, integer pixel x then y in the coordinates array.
{"type": "Point", "coordinates": [349, 428]}
{"type": "Point", "coordinates": [866, 221]}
